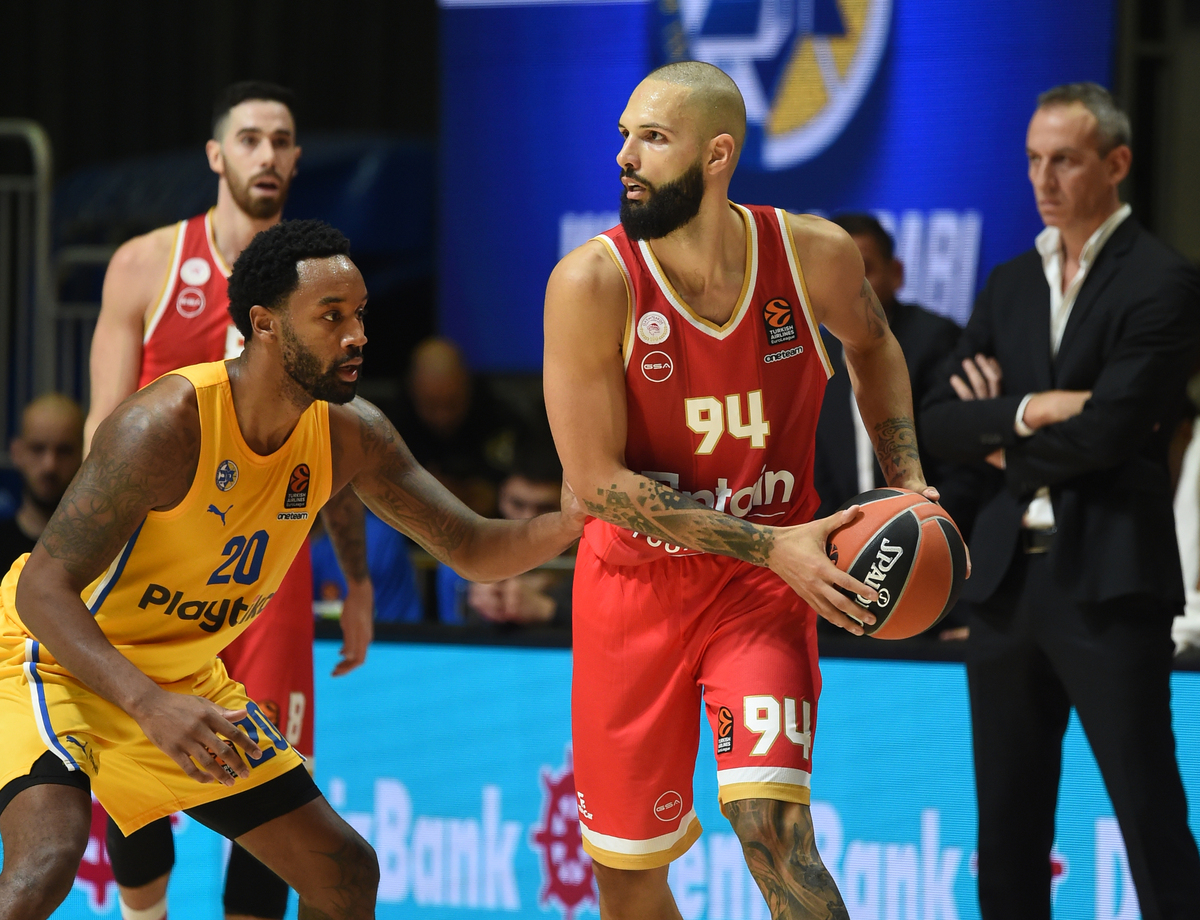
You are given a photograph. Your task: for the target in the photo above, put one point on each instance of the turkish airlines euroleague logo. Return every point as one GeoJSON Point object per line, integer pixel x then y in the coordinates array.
{"type": "Point", "coordinates": [297, 490]}
{"type": "Point", "coordinates": [657, 366]}
{"type": "Point", "coordinates": [724, 730]}
{"type": "Point", "coordinates": [779, 322]}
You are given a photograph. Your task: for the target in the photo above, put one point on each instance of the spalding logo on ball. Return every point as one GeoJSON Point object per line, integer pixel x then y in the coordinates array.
{"type": "Point", "coordinates": [910, 551]}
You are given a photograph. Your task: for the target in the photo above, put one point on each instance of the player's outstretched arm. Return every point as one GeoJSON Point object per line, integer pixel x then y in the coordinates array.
{"type": "Point", "coordinates": [371, 454]}
{"type": "Point", "coordinates": [122, 479]}
{"type": "Point", "coordinates": [845, 304]}
{"type": "Point", "coordinates": [346, 525]}
{"type": "Point", "coordinates": [134, 278]}
{"type": "Point", "coordinates": [586, 316]}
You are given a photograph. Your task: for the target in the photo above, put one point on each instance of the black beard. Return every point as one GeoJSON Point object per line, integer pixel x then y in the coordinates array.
{"type": "Point", "coordinates": [305, 369]}
{"type": "Point", "coordinates": [667, 208]}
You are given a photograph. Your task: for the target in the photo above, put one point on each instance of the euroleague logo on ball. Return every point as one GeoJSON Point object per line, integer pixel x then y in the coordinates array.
{"type": "Point", "coordinates": [657, 366]}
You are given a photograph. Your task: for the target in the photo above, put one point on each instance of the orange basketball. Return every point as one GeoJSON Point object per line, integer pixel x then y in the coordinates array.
{"type": "Point", "coordinates": [910, 551]}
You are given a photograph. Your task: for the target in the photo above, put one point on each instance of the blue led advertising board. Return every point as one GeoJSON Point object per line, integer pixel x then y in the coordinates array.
{"type": "Point", "coordinates": [455, 763]}
{"type": "Point", "coordinates": [915, 111]}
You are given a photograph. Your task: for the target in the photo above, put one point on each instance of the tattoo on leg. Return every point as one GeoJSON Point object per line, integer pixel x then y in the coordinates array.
{"type": "Point", "coordinates": [780, 847]}
{"type": "Point", "coordinates": [896, 448]}
{"type": "Point", "coordinates": [352, 895]}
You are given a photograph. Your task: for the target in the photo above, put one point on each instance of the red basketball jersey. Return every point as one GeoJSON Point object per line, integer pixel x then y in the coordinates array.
{"type": "Point", "coordinates": [725, 414]}
{"type": "Point", "coordinates": [190, 323]}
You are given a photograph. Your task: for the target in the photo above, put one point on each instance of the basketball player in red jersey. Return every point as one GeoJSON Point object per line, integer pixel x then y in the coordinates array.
{"type": "Point", "coordinates": [164, 307]}
{"type": "Point", "coordinates": [684, 374]}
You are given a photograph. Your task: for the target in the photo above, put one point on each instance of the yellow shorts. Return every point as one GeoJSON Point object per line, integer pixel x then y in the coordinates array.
{"type": "Point", "coordinates": [43, 708]}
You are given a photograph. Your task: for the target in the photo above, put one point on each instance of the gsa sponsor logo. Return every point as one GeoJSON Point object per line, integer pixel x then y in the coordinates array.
{"type": "Point", "coordinates": [803, 66]}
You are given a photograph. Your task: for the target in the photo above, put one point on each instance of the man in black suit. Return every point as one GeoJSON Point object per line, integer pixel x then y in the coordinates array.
{"type": "Point", "coordinates": [1070, 378]}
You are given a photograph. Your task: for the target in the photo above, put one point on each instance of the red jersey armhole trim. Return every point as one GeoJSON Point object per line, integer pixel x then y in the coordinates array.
{"type": "Point", "coordinates": [802, 291]}
{"type": "Point", "coordinates": [149, 322]}
{"type": "Point", "coordinates": [627, 338]}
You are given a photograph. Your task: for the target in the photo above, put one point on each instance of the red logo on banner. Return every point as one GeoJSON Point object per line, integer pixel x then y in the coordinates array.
{"type": "Point", "coordinates": [566, 868]}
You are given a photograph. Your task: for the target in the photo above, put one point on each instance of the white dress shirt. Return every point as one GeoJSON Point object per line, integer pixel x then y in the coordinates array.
{"type": "Point", "coordinates": [1040, 513]}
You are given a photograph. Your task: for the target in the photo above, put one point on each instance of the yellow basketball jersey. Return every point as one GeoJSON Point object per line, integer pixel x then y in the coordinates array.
{"type": "Point", "coordinates": [191, 579]}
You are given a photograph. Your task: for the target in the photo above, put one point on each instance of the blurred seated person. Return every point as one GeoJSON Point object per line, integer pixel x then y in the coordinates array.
{"type": "Point", "coordinates": [397, 599]}
{"type": "Point", "coordinates": [454, 427]}
{"type": "Point", "coordinates": [46, 453]}
{"type": "Point", "coordinates": [845, 463]}
{"type": "Point", "coordinates": [538, 598]}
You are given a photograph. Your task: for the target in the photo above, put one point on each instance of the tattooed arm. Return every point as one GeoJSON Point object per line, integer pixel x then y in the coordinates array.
{"type": "Point", "coordinates": [346, 525]}
{"type": "Point", "coordinates": [586, 314]}
{"type": "Point", "coordinates": [845, 304]}
{"type": "Point", "coordinates": [386, 476]}
{"type": "Point", "coordinates": [122, 479]}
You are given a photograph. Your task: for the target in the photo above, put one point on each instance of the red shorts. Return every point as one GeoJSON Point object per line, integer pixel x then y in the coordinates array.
{"type": "Point", "coordinates": [274, 657]}
{"type": "Point", "coordinates": [651, 641]}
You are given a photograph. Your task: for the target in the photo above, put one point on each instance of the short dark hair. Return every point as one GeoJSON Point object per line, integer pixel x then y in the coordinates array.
{"type": "Point", "coordinates": [865, 225]}
{"type": "Point", "coordinates": [237, 93]}
{"type": "Point", "coordinates": [1112, 125]}
{"type": "Point", "coordinates": [534, 456]}
{"type": "Point", "coordinates": [265, 273]}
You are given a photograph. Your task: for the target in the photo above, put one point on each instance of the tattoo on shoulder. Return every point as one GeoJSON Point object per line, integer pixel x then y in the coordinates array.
{"type": "Point", "coordinates": [873, 310]}
{"type": "Point", "coordinates": [779, 842]}
{"type": "Point", "coordinates": [122, 479]}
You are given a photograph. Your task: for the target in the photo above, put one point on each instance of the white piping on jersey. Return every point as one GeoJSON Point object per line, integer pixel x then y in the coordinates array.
{"type": "Point", "coordinates": [41, 712]}
{"type": "Point", "coordinates": [739, 310]}
{"type": "Point", "coordinates": [108, 576]}
{"type": "Point", "coordinates": [217, 258]}
{"type": "Point", "coordinates": [788, 775]}
{"type": "Point", "coordinates": [172, 278]}
{"type": "Point", "coordinates": [798, 283]}
{"type": "Point", "coordinates": [630, 318]}
{"type": "Point", "coordinates": [627, 847]}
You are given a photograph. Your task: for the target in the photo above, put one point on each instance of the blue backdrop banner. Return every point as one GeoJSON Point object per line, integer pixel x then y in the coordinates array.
{"type": "Point", "coordinates": [914, 111]}
{"type": "Point", "coordinates": [455, 762]}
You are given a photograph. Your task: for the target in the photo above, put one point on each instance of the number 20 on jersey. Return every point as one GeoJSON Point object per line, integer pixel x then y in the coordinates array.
{"type": "Point", "coordinates": [712, 418]}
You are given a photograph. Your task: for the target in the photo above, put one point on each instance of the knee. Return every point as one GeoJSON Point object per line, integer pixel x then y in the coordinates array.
{"type": "Point", "coordinates": [631, 893]}
{"type": "Point", "coordinates": [40, 878]}
{"type": "Point", "coordinates": [352, 869]}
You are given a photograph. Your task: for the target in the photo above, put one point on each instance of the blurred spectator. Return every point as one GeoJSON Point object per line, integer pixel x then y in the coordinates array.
{"type": "Point", "coordinates": [47, 454]}
{"type": "Point", "coordinates": [845, 462]}
{"type": "Point", "coordinates": [454, 427]}
{"type": "Point", "coordinates": [541, 597]}
{"type": "Point", "coordinates": [397, 599]}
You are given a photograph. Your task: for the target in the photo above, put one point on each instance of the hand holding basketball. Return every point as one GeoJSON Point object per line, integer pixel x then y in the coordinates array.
{"type": "Point", "coordinates": [799, 558]}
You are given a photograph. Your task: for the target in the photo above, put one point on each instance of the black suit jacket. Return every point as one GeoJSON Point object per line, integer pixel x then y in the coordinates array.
{"type": "Point", "coordinates": [1131, 339]}
{"type": "Point", "coordinates": [926, 339]}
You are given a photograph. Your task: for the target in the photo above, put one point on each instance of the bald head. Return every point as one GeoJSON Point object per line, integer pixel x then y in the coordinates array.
{"type": "Point", "coordinates": [440, 385]}
{"type": "Point", "coordinates": [49, 448]}
{"type": "Point", "coordinates": [713, 98]}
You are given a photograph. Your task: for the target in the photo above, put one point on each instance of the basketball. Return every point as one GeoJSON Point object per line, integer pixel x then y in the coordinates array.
{"type": "Point", "coordinates": [909, 550]}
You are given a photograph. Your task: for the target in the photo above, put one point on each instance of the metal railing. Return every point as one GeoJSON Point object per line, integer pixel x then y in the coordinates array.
{"type": "Point", "coordinates": [27, 314]}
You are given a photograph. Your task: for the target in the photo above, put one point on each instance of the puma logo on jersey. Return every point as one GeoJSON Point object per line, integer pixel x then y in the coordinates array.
{"type": "Point", "coordinates": [219, 513]}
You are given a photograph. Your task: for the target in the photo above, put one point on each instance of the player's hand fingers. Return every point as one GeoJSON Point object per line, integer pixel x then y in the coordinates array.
{"type": "Point", "coordinates": [186, 765]}
{"type": "Point", "coordinates": [218, 747]}
{"type": "Point", "coordinates": [931, 493]}
{"type": "Point", "coordinates": [978, 383]}
{"type": "Point", "coordinates": [351, 658]}
{"type": "Point", "coordinates": [840, 579]}
{"type": "Point", "coordinates": [204, 763]}
{"type": "Point", "coordinates": [964, 392]}
{"type": "Point", "coordinates": [836, 520]}
{"type": "Point", "coordinates": [228, 727]}
{"type": "Point", "coordinates": [837, 618]}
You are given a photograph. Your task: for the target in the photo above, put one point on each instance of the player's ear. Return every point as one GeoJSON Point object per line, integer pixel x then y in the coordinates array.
{"type": "Point", "coordinates": [720, 152]}
{"type": "Point", "coordinates": [262, 322]}
{"type": "Point", "coordinates": [216, 162]}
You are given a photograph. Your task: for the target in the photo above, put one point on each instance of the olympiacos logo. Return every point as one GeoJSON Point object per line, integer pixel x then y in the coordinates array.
{"type": "Point", "coordinates": [803, 66]}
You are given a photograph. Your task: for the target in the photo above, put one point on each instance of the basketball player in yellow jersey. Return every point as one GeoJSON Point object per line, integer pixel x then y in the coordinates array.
{"type": "Point", "coordinates": [171, 539]}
